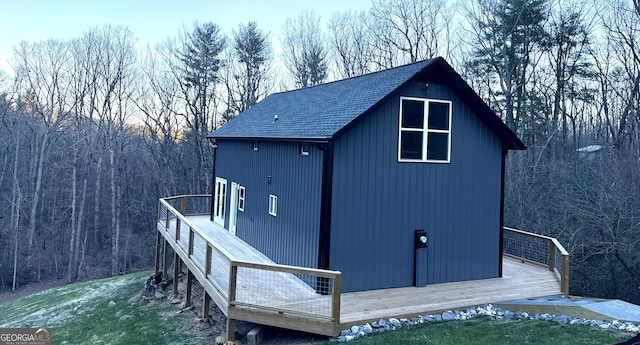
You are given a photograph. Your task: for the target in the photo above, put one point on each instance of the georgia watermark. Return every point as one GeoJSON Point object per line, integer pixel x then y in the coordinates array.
{"type": "Point", "coordinates": [25, 336]}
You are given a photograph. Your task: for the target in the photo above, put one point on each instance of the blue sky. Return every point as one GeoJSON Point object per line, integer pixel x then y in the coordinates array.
{"type": "Point", "coordinates": [150, 20]}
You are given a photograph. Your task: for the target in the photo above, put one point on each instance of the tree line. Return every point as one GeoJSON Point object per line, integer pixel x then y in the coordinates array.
{"type": "Point", "coordinates": [95, 129]}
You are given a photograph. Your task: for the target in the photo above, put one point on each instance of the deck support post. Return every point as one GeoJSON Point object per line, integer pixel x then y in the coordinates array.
{"type": "Point", "coordinates": [231, 331]}
{"type": "Point", "coordinates": [177, 267]}
{"type": "Point", "coordinates": [158, 249]}
{"type": "Point", "coordinates": [187, 300]}
{"type": "Point", "coordinates": [206, 302]}
{"type": "Point", "coordinates": [165, 266]}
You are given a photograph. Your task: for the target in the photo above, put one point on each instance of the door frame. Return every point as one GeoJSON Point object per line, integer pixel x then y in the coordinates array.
{"type": "Point", "coordinates": [220, 201]}
{"type": "Point", "coordinates": [233, 207]}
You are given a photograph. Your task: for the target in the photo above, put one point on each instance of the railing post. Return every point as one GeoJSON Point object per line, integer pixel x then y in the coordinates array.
{"type": "Point", "coordinates": [335, 299]}
{"type": "Point", "coordinates": [207, 262]}
{"type": "Point", "coordinates": [231, 298]}
{"type": "Point", "coordinates": [166, 221]}
{"type": "Point", "coordinates": [552, 255]}
{"type": "Point", "coordinates": [564, 276]}
{"type": "Point", "coordinates": [177, 234]}
{"type": "Point", "coordinates": [183, 206]}
{"type": "Point", "coordinates": [190, 241]}
{"type": "Point", "coordinates": [233, 276]}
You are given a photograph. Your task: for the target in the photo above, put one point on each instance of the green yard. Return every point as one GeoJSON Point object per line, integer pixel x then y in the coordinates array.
{"type": "Point", "coordinates": [106, 311]}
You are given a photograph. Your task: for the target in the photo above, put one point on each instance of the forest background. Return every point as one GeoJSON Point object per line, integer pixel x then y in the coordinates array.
{"type": "Point", "coordinates": [96, 128]}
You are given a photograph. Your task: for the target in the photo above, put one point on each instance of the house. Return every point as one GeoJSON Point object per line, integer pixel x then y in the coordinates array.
{"type": "Point", "coordinates": [394, 178]}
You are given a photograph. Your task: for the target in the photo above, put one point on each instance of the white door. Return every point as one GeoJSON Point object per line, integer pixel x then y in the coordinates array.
{"type": "Point", "coordinates": [233, 208]}
{"type": "Point", "coordinates": [220, 201]}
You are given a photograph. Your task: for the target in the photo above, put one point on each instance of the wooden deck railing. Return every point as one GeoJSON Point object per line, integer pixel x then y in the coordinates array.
{"type": "Point", "coordinates": [197, 248]}
{"type": "Point", "coordinates": [286, 296]}
{"type": "Point", "coordinates": [541, 250]}
{"type": "Point", "coordinates": [270, 294]}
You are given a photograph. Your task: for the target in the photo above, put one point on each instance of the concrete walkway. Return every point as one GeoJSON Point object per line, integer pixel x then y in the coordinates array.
{"type": "Point", "coordinates": [577, 307]}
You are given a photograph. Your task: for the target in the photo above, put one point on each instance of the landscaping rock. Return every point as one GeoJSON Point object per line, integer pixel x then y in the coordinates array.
{"type": "Point", "coordinates": [448, 316]}
{"type": "Point", "coordinates": [561, 319]}
{"type": "Point", "coordinates": [383, 325]}
{"type": "Point", "coordinates": [367, 329]}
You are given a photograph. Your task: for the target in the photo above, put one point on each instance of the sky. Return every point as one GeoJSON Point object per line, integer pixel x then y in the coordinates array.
{"type": "Point", "coordinates": [152, 21]}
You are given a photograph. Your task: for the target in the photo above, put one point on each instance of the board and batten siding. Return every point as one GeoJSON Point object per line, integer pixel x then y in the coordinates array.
{"type": "Point", "coordinates": [378, 202]}
{"type": "Point", "coordinates": [291, 237]}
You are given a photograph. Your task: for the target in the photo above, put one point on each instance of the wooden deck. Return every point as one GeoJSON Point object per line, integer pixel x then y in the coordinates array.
{"type": "Point", "coordinates": [519, 280]}
{"type": "Point", "coordinates": [247, 285]}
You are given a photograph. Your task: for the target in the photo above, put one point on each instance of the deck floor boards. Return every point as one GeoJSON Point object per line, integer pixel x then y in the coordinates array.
{"type": "Point", "coordinates": [520, 280]}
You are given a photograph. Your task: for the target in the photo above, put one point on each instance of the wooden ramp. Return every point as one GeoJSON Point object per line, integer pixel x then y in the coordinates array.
{"type": "Point", "coordinates": [251, 288]}
{"type": "Point", "coordinates": [246, 285]}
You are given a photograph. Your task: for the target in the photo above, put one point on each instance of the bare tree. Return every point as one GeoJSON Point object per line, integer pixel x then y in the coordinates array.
{"type": "Point", "coordinates": [41, 73]}
{"type": "Point", "coordinates": [618, 62]}
{"type": "Point", "coordinates": [352, 44]}
{"type": "Point", "coordinates": [304, 53]}
{"type": "Point", "coordinates": [408, 31]}
{"type": "Point", "coordinates": [159, 103]}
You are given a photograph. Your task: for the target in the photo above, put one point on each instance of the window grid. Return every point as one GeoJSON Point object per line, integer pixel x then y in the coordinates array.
{"type": "Point", "coordinates": [425, 130]}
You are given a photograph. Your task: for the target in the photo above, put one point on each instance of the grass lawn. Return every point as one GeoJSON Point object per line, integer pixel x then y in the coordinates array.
{"type": "Point", "coordinates": [486, 331]}
{"type": "Point", "coordinates": [105, 311]}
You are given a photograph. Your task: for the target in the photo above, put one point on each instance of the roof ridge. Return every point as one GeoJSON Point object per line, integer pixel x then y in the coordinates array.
{"type": "Point", "coordinates": [431, 60]}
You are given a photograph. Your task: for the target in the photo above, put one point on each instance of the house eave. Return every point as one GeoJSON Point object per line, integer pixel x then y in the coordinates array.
{"type": "Point", "coordinates": [319, 140]}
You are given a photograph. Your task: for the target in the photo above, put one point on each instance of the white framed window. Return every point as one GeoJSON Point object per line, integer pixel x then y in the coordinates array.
{"type": "Point", "coordinates": [273, 205]}
{"type": "Point", "coordinates": [254, 145]}
{"type": "Point", "coordinates": [424, 130]}
{"type": "Point", "coordinates": [303, 150]}
{"type": "Point", "coordinates": [241, 193]}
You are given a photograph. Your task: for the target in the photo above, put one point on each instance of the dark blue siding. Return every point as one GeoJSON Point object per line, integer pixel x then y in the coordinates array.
{"type": "Point", "coordinates": [378, 202]}
{"type": "Point", "coordinates": [291, 237]}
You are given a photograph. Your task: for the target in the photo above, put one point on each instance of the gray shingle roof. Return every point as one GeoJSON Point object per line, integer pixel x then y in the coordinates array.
{"type": "Point", "coordinates": [317, 112]}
